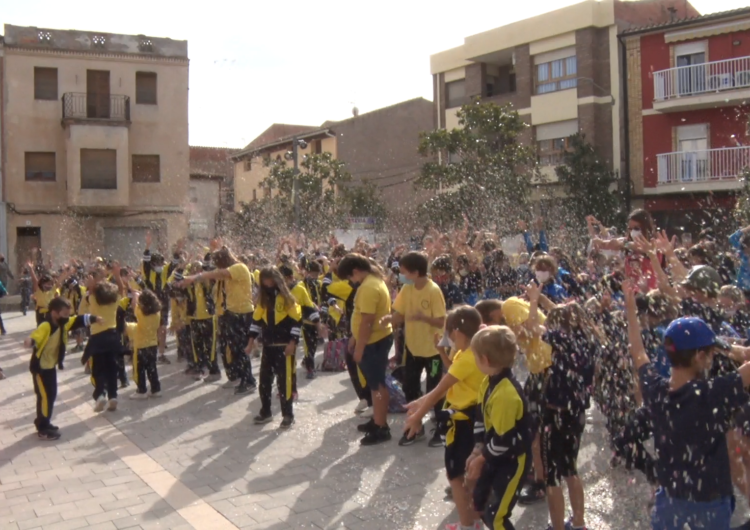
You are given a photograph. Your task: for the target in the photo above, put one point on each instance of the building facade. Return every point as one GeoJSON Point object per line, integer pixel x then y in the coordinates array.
{"type": "Point", "coordinates": [688, 83]}
{"type": "Point", "coordinates": [96, 142]}
{"type": "Point", "coordinates": [559, 70]}
{"type": "Point", "coordinates": [274, 143]}
{"type": "Point", "coordinates": [211, 193]}
{"type": "Point", "coordinates": [381, 147]}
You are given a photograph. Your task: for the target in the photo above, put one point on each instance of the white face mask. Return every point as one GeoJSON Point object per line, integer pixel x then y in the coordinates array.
{"type": "Point", "coordinates": [730, 312]}
{"type": "Point", "coordinates": [542, 276]}
{"type": "Point", "coordinates": [463, 272]}
{"type": "Point", "coordinates": [158, 270]}
{"type": "Point", "coordinates": [634, 234]}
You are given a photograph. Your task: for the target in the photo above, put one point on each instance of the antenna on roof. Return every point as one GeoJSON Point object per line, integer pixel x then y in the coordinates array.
{"type": "Point", "coordinates": [355, 112]}
{"type": "Point", "coordinates": [672, 13]}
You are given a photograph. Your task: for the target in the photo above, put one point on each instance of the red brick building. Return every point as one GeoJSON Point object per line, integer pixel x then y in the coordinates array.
{"type": "Point", "coordinates": [687, 85]}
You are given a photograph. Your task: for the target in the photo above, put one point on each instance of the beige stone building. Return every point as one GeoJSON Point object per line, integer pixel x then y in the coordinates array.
{"type": "Point", "coordinates": [95, 138]}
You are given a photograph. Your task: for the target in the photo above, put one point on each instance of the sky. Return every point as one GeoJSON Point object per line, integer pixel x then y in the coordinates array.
{"type": "Point", "coordinates": [254, 63]}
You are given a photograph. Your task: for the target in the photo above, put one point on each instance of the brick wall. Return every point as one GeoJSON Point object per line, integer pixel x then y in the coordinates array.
{"type": "Point", "coordinates": [595, 121]}
{"type": "Point", "coordinates": [476, 79]}
{"type": "Point", "coordinates": [381, 147]}
{"type": "Point", "coordinates": [635, 112]}
{"type": "Point", "coordinates": [592, 53]}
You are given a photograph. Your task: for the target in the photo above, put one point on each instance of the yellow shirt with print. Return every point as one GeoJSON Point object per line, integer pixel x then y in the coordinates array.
{"type": "Point", "coordinates": [238, 290]}
{"type": "Point", "coordinates": [43, 298]}
{"type": "Point", "coordinates": [538, 353]}
{"type": "Point", "coordinates": [420, 336]}
{"type": "Point", "coordinates": [372, 298]}
{"type": "Point", "coordinates": [107, 312]}
{"type": "Point", "coordinates": [465, 392]}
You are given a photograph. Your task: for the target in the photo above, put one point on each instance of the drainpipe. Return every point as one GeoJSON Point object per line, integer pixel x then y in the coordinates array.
{"type": "Point", "coordinates": [626, 122]}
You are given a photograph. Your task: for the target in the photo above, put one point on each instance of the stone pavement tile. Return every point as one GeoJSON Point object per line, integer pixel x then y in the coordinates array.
{"type": "Point", "coordinates": [102, 526]}
{"type": "Point", "coordinates": [22, 492]}
{"type": "Point", "coordinates": [38, 522]}
{"type": "Point", "coordinates": [72, 524]}
{"type": "Point", "coordinates": [82, 511]}
{"type": "Point", "coordinates": [104, 517]}
{"type": "Point", "coordinates": [128, 522]}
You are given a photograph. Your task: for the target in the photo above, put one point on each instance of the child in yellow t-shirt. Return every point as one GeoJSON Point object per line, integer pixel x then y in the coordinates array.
{"type": "Point", "coordinates": [460, 387]}
{"type": "Point", "coordinates": [144, 334]}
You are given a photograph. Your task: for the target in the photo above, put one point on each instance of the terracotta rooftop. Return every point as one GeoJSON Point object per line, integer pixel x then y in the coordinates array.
{"type": "Point", "coordinates": [690, 20]}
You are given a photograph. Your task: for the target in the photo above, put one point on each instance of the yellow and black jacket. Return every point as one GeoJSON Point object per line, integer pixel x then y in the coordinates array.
{"type": "Point", "coordinates": [156, 281]}
{"type": "Point", "coordinates": [49, 342]}
{"type": "Point", "coordinates": [200, 301]}
{"type": "Point", "coordinates": [310, 314]}
{"type": "Point", "coordinates": [314, 287]}
{"type": "Point", "coordinates": [279, 324]}
{"type": "Point", "coordinates": [339, 293]}
{"type": "Point", "coordinates": [73, 292]}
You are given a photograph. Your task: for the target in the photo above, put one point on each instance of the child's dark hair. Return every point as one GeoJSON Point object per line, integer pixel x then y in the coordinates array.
{"type": "Point", "coordinates": [157, 260]}
{"type": "Point", "coordinates": [486, 308]}
{"type": "Point", "coordinates": [313, 266]}
{"type": "Point", "coordinates": [44, 279]}
{"type": "Point", "coordinates": [59, 303]}
{"type": "Point", "coordinates": [547, 262]}
{"type": "Point", "coordinates": [465, 319]}
{"type": "Point", "coordinates": [106, 293]}
{"type": "Point", "coordinates": [644, 219]}
{"type": "Point", "coordinates": [223, 258]}
{"type": "Point", "coordinates": [286, 271]}
{"type": "Point", "coordinates": [680, 358]}
{"type": "Point", "coordinates": [350, 262]}
{"type": "Point", "coordinates": [442, 263]}
{"type": "Point", "coordinates": [414, 262]}
{"type": "Point", "coordinates": [149, 303]}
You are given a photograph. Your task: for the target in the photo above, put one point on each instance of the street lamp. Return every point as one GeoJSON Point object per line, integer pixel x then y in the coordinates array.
{"type": "Point", "coordinates": [296, 144]}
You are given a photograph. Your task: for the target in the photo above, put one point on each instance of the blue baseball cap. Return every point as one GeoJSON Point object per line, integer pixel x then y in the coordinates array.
{"type": "Point", "coordinates": [691, 333]}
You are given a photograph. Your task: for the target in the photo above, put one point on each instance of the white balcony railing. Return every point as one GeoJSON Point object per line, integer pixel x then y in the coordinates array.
{"type": "Point", "coordinates": [726, 163]}
{"type": "Point", "coordinates": [702, 78]}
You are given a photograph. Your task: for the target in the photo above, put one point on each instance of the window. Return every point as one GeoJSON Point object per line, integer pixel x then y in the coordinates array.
{"type": "Point", "coordinates": [553, 139]}
{"type": "Point", "coordinates": [98, 169]}
{"type": "Point", "coordinates": [551, 151]}
{"type": "Point", "coordinates": [455, 93]}
{"type": "Point", "coordinates": [557, 73]}
{"type": "Point", "coordinates": [45, 83]}
{"type": "Point", "coordinates": [146, 168]}
{"type": "Point", "coordinates": [145, 88]}
{"type": "Point", "coordinates": [691, 70]}
{"type": "Point", "coordinates": [318, 147]}
{"type": "Point", "coordinates": [193, 194]}
{"type": "Point", "coordinates": [40, 167]}
{"type": "Point", "coordinates": [248, 165]}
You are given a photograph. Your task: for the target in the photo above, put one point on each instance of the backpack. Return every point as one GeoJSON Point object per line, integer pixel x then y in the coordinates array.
{"type": "Point", "coordinates": [334, 356]}
{"type": "Point", "coordinates": [396, 397]}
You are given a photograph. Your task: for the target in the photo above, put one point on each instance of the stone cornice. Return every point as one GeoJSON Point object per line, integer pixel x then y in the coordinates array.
{"type": "Point", "coordinates": [126, 57]}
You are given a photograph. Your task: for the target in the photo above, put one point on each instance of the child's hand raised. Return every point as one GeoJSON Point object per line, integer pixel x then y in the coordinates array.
{"type": "Point", "coordinates": [533, 290]}
{"type": "Point", "coordinates": [629, 290]}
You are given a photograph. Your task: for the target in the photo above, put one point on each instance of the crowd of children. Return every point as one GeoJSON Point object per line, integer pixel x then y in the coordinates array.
{"type": "Point", "coordinates": [650, 332]}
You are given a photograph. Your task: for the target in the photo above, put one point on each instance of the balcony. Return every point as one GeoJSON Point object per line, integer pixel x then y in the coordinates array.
{"type": "Point", "coordinates": [707, 170]}
{"type": "Point", "coordinates": [714, 84]}
{"type": "Point", "coordinates": [79, 107]}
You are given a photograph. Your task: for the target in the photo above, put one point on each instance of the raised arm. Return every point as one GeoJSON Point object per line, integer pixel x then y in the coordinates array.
{"type": "Point", "coordinates": [637, 351]}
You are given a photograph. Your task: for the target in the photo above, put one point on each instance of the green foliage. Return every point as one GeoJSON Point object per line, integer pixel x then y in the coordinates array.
{"type": "Point", "coordinates": [590, 186]}
{"type": "Point", "coordinates": [327, 198]}
{"type": "Point", "coordinates": [491, 174]}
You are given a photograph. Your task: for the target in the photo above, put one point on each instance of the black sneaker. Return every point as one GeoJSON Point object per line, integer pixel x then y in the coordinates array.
{"type": "Point", "coordinates": [243, 389]}
{"type": "Point", "coordinates": [262, 419]}
{"type": "Point", "coordinates": [252, 386]}
{"type": "Point", "coordinates": [48, 435]}
{"type": "Point", "coordinates": [376, 436]}
{"type": "Point", "coordinates": [287, 422]}
{"type": "Point", "coordinates": [404, 441]}
{"type": "Point", "coordinates": [436, 440]}
{"type": "Point", "coordinates": [532, 493]}
{"type": "Point", "coordinates": [53, 428]}
{"type": "Point", "coordinates": [124, 384]}
{"type": "Point", "coordinates": [367, 427]}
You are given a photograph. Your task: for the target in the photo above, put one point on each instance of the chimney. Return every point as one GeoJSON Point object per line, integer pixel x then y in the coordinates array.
{"type": "Point", "coordinates": [672, 13]}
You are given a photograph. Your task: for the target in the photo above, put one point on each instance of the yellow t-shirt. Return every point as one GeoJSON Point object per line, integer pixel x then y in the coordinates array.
{"type": "Point", "coordinates": [43, 298]}
{"type": "Point", "coordinates": [538, 353]}
{"type": "Point", "coordinates": [239, 289]}
{"type": "Point", "coordinates": [420, 336]}
{"type": "Point", "coordinates": [372, 298]}
{"type": "Point", "coordinates": [145, 333]}
{"type": "Point", "coordinates": [107, 312]}
{"type": "Point", "coordinates": [465, 392]}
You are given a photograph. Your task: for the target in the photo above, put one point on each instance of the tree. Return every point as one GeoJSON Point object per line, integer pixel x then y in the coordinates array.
{"type": "Point", "coordinates": [590, 186]}
{"type": "Point", "coordinates": [318, 179]}
{"type": "Point", "coordinates": [490, 175]}
{"type": "Point", "coordinates": [363, 201]}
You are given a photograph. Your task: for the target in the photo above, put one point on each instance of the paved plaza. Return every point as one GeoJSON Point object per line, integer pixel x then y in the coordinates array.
{"type": "Point", "coordinates": [193, 459]}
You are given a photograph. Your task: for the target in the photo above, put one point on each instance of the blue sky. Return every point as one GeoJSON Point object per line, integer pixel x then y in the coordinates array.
{"type": "Point", "coordinates": [253, 63]}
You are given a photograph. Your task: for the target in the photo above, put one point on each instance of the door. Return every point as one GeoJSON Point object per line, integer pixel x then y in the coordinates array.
{"type": "Point", "coordinates": [27, 239]}
{"type": "Point", "coordinates": [692, 144]}
{"type": "Point", "coordinates": [692, 78]}
{"type": "Point", "coordinates": [97, 93]}
{"type": "Point", "coordinates": [126, 244]}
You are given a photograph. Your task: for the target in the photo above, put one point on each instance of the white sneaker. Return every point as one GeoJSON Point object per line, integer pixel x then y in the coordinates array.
{"type": "Point", "coordinates": [136, 395]}
{"type": "Point", "coordinates": [198, 377]}
{"type": "Point", "coordinates": [100, 404]}
{"type": "Point", "coordinates": [229, 384]}
{"type": "Point", "coordinates": [112, 405]}
{"type": "Point", "coordinates": [361, 406]}
{"type": "Point", "coordinates": [367, 413]}
{"type": "Point", "coordinates": [155, 394]}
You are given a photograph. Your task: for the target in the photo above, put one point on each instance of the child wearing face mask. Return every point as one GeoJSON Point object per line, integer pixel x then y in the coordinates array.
{"type": "Point", "coordinates": [470, 280]}
{"type": "Point", "coordinates": [545, 272]}
{"type": "Point", "coordinates": [278, 320]}
{"type": "Point", "coordinates": [732, 301]}
{"type": "Point", "coordinates": [49, 341]}
{"type": "Point", "coordinates": [460, 388]}
{"type": "Point", "coordinates": [442, 274]}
